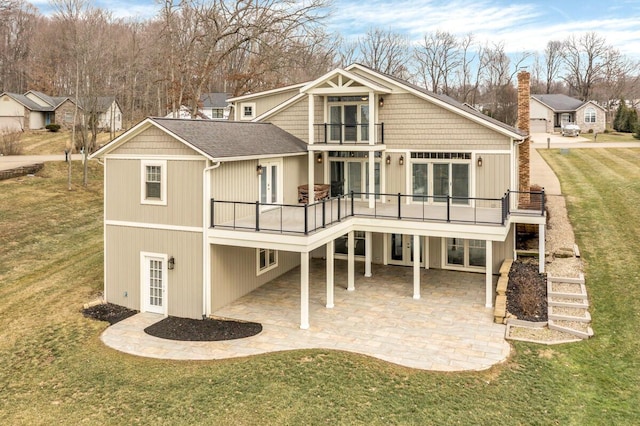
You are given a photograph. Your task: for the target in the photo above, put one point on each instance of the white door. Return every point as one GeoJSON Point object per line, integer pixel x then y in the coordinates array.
{"type": "Point", "coordinates": [270, 183]}
{"type": "Point", "coordinates": [154, 283]}
{"type": "Point", "coordinates": [401, 250]}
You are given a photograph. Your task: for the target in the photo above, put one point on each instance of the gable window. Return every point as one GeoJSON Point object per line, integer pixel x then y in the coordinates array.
{"type": "Point", "coordinates": [153, 182]}
{"type": "Point", "coordinates": [590, 115]}
{"type": "Point", "coordinates": [267, 259]}
{"type": "Point", "coordinates": [247, 111]}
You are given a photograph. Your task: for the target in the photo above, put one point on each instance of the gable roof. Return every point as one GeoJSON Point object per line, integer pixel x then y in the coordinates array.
{"type": "Point", "coordinates": [54, 101]}
{"type": "Point", "coordinates": [214, 100]}
{"type": "Point", "coordinates": [219, 140]}
{"type": "Point", "coordinates": [558, 102]}
{"type": "Point", "coordinates": [28, 103]}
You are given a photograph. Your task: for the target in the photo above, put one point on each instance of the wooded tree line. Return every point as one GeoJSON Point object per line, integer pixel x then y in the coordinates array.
{"type": "Point", "coordinates": [195, 46]}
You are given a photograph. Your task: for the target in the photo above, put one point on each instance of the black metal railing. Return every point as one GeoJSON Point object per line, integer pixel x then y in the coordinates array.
{"type": "Point", "coordinates": [343, 133]}
{"type": "Point", "coordinates": [308, 218]}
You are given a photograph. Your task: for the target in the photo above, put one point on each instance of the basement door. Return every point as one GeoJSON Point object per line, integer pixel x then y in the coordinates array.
{"type": "Point", "coordinates": [154, 283]}
{"type": "Point", "coordinates": [401, 250]}
{"type": "Point", "coordinates": [270, 185]}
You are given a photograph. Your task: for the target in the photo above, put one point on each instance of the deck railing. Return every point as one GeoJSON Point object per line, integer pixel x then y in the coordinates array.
{"type": "Point", "coordinates": [308, 218]}
{"type": "Point", "coordinates": [341, 133]}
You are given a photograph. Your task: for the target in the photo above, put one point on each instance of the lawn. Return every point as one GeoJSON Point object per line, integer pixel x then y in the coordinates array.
{"type": "Point", "coordinates": [610, 137]}
{"type": "Point", "coordinates": [54, 368]}
{"type": "Point", "coordinates": [43, 142]}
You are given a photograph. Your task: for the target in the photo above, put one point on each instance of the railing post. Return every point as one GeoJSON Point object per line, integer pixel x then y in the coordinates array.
{"type": "Point", "coordinates": [306, 219]}
{"type": "Point", "coordinates": [448, 208]}
{"type": "Point", "coordinates": [504, 213]}
{"type": "Point", "coordinates": [341, 132]}
{"type": "Point", "coordinates": [211, 213]}
{"type": "Point", "coordinates": [382, 132]}
{"type": "Point", "coordinates": [352, 203]}
{"type": "Point", "coordinates": [542, 194]}
{"type": "Point", "coordinates": [399, 204]}
{"type": "Point", "coordinates": [257, 216]}
{"type": "Point", "coordinates": [339, 198]}
{"type": "Point", "coordinates": [324, 213]}
{"type": "Point", "coordinates": [325, 134]}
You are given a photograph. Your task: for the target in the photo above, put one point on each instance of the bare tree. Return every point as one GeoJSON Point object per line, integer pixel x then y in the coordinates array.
{"type": "Point", "coordinates": [471, 69]}
{"type": "Point", "coordinates": [385, 51]}
{"type": "Point", "coordinates": [18, 22]}
{"type": "Point", "coordinates": [437, 58]}
{"type": "Point", "coordinates": [553, 62]}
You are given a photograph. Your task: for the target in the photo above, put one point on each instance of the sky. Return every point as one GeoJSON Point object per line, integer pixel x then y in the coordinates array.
{"type": "Point", "coordinates": [522, 25]}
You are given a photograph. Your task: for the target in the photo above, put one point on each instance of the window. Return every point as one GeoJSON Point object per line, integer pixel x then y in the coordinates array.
{"type": "Point", "coordinates": [153, 182]}
{"type": "Point", "coordinates": [68, 117]}
{"type": "Point", "coordinates": [590, 115]}
{"type": "Point", "coordinates": [465, 254]}
{"type": "Point", "coordinates": [218, 113]}
{"type": "Point", "coordinates": [248, 111]}
{"type": "Point", "coordinates": [358, 243]}
{"type": "Point", "coordinates": [267, 259]}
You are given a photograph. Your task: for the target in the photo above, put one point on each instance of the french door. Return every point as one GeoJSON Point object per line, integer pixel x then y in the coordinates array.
{"type": "Point", "coordinates": [449, 179]}
{"type": "Point", "coordinates": [353, 175]}
{"type": "Point", "coordinates": [401, 250]}
{"type": "Point", "coordinates": [344, 123]}
{"type": "Point", "coordinates": [270, 184]}
{"type": "Point", "coordinates": [154, 283]}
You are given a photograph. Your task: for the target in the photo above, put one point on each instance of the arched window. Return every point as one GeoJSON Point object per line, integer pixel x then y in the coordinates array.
{"type": "Point", "coordinates": [590, 115]}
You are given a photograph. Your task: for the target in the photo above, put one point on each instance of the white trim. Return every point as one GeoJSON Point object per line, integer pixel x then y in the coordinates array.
{"type": "Point", "coordinates": [268, 267]}
{"type": "Point", "coordinates": [244, 105]}
{"type": "Point", "coordinates": [144, 290]}
{"type": "Point", "coordinates": [163, 182]}
{"type": "Point", "coordinates": [158, 226]}
{"type": "Point", "coordinates": [312, 86]}
{"type": "Point", "coordinates": [155, 157]}
{"type": "Point", "coordinates": [257, 157]}
{"type": "Point", "coordinates": [265, 93]}
{"type": "Point", "coordinates": [104, 232]}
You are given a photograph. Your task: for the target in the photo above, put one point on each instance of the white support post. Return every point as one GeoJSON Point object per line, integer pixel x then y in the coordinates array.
{"type": "Point", "coordinates": [367, 253]}
{"type": "Point", "coordinates": [489, 274]}
{"type": "Point", "coordinates": [304, 291]}
{"type": "Point", "coordinates": [330, 272]}
{"type": "Point", "coordinates": [541, 248]}
{"type": "Point", "coordinates": [351, 261]}
{"type": "Point", "coordinates": [416, 267]}
{"type": "Point", "coordinates": [372, 184]}
{"type": "Point", "coordinates": [372, 118]}
{"type": "Point", "coordinates": [311, 118]}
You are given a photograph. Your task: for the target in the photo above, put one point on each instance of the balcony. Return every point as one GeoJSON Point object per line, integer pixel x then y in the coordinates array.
{"type": "Point", "coordinates": [347, 133]}
{"type": "Point", "coordinates": [307, 219]}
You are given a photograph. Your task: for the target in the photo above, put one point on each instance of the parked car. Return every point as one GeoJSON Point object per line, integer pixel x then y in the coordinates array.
{"type": "Point", "coordinates": [570, 129]}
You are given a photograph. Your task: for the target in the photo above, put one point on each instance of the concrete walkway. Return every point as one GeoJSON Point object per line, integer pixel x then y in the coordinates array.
{"type": "Point", "coordinates": [8, 162]}
{"type": "Point", "coordinates": [449, 329]}
{"type": "Point", "coordinates": [543, 175]}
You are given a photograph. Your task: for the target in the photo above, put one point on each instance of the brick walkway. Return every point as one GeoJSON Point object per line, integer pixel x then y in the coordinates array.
{"type": "Point", "coordinates": [449, 329]}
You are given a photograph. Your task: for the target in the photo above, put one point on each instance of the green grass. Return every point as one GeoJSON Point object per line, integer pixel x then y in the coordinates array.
{"type": "Point", "coordinates": [55, 369]}
{"type": "Point", "coordinates": [610, 137]}
{"type": "Point", "coordinates": [42, 142]}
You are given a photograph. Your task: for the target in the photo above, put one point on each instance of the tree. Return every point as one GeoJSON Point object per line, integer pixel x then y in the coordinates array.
{"type": "Point", "coordinates": [552, 62]}
{"type": "Point", "coordinates": [438, 58]}
{"type": "Point", "coordinates": [384, 51]}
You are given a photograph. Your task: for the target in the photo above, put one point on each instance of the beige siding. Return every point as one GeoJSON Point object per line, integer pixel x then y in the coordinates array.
{"type": "Point", "coordinates": [266, 103]}
{"type": "Point", "coordinates": [123, 274]}
{"type": "Point", "coordinates": [154, 141]}
{"type": "Point", "coordinates": [184, 194]}
{"type": "Point", "coordinates": [502, 251]}
{"type": "Point", "coordinates": [234, 181]}
{"type": "Point", "coordinates": [410, 122]}
{"type": "Point", "coordinates": [395, 174]}
{"type": "Point", "coordinates": [11, 115]}
{"type": "Point", "coordinates": [295, 174]}
{"type": "Point", "coordinates": [492, 179]}
{"type": "Point", "coordinates": [234, 272]}
{"type": "Point", "coordinates": [294, 119]}
{"type": "Point", "coordinates": [435, 252]}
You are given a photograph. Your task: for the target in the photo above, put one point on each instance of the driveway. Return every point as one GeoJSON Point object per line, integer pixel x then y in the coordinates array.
{"type": "Point", "coordinates": [539, 141]}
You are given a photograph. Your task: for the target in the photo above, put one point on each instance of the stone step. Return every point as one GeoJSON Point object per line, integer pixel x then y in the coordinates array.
{"type": "Point", "coordinates": [506, 267]}
{"type": "Point", "coordinates": [580, 329]}
{"type": "Point", "coordinates": [501, 287]}
{"type": "Point", "coordinates": [568, 302]}
{"type": "Point", "coordinates": [562, 313]}
{"type": "Point", "coordinates": [565, 295]}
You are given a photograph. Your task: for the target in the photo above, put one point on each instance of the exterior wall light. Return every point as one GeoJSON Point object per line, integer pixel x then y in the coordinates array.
{"type": "Point", "coordinates": [171, 264]}
{"type": "Point", "coordinates": [381, 102]}
{"type": "Point", "coordinates": [388, 159]}
{"type": "Point", "coordinates": [401, 160]}
{"type": "Point", "coordinates": [259, 169]}
{"type": "Point", "coordinates": [479, 161]}
{"type": "Point", "coordinates": [319, 159]}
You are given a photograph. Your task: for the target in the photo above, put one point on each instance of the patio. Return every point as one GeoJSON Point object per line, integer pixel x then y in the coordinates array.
{"type": "Point", "coordinates": [448, 329]}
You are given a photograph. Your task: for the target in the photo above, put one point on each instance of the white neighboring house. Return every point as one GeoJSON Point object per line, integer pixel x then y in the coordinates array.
{"type": "Point", "coordinates": [213, 106]}
{"type": "Point", "coordinates": [109, 114]}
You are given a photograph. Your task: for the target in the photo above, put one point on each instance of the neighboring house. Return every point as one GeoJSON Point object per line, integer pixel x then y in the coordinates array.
{"type": "Point", "coordinates": [200, 212]}
{"type": "Point", "coordinates": [109, 114]}
{"type": "Point", "coordinates": [213, 106]}
{"type": "Point", "coordinates": [63, 107]}
{"type": "Point", "coordinates": [549, 112]}
{"type": "Point", "coordinates": [18, 113]}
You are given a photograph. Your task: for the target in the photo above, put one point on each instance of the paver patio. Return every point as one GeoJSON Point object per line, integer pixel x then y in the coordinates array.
{"type": "Point", "coordinates": [448, 329]}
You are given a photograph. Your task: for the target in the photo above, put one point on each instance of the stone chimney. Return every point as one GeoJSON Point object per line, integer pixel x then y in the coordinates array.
{"type": "Point", "coordinates": [524, 96]}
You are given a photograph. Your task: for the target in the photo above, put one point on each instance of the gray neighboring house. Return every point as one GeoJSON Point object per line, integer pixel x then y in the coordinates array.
{"type": "Point", "coordinates": [215, 106]}
{"type": "Point", "coordinates": [548, 112]}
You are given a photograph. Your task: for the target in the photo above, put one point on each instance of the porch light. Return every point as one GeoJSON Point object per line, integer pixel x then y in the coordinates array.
{"type": "Point", "coordinates": [388, 159]}
{"type": "Point", "coordinates": [401, 160]}
{"type": "Point", "coordinates": [381, 102]}
{"type": "Point", "coordinates": [479, 161]}
{"type": "Point", "coordinates": [259, 169]}
{"type": "Point", "coordinates": [319, 159]}
{"type": "Point", "coordinates": [171, 264]}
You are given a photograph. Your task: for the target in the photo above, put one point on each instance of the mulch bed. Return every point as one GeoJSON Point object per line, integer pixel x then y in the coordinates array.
{"type": "Point", "coordinates": [205, 330]}
{"type": "Point", "coordinates": [174, 328]}
{"type": "Point", "coordinates": [109, 312]}
{"type": "Point", "coordinates": [527, 291]}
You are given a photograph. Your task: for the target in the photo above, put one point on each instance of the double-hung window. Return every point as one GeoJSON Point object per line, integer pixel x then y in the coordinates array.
{"type": "Point", "coordinates": [267, 259]}
{"type": "Point", "coordinates": [590, 115]}
{"type": "Point", "coordinates": [153, 188]}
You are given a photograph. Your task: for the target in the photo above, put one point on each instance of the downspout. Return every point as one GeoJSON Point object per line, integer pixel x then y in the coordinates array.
{"type": "Point", "coordinates": [206, 270]}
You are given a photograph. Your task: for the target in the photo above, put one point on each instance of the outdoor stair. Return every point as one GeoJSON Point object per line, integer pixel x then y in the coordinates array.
{"type": "Point", "coordinates": [569, 306]}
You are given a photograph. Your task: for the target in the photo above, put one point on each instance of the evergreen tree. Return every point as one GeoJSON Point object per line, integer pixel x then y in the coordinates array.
{"type": "Point", "coordinates": [620, 116]}
{"type": "Point", "coordinates": [632, 120]}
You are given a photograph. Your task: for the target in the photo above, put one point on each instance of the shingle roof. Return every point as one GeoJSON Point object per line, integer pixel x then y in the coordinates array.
{"type": "Point", "coordinates": [54, 101]}
{"type": "Point", "coordinates": [28, 102]}
{"type": "Point", "coordinates": [559, 103]}
{"type": "Point", "coordinates": [214, 100]}
{"type": "Point", "coordinates": [227, 139]}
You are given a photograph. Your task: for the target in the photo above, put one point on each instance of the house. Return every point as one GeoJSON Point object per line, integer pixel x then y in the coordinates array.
{"type": "Point", "coordinates": [213, 106]}
{"type": "Point", "coordinates": [201, 212]}
{"type": "Point", "coordinates": [63, 107]}
{"type": "Point", "coordinates": [549, 112]}
{"type": "Point", "coordinates": [109, 113]}
{"type": "Point", "coordinates": [18, 113]}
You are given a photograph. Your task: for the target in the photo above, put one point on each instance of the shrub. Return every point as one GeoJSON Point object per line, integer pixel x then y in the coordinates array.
{"type": "Point", "coordinates": [52, 127]}
{"type": "Point", "coordinates": [10, 143]}
{"type": "Point", "coordinates": [590, 131]}
{"type": "Point", "coordinates": [636, 134]}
